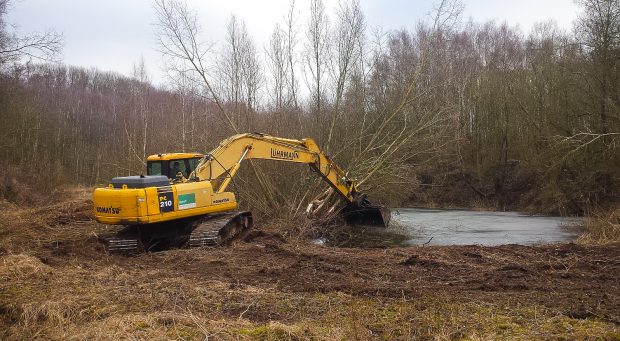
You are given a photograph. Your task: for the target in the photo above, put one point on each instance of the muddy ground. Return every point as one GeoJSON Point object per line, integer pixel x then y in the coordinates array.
{"type": "Point", "coordinates": [57, 282]}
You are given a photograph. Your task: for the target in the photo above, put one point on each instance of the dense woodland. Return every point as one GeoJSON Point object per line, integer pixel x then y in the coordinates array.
{"type": "Point", "coordinates": [453, 113]}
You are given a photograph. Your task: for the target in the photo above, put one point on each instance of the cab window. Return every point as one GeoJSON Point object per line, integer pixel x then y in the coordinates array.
{"type": "Point", "coordinates": [178, 166]}
{"type": "Point", "coordinates": [193, 163]}
{"type": "Point", "coordinates": [153, 168]}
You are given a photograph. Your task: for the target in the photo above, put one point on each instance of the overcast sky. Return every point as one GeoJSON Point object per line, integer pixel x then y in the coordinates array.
{"type": "Point", "coordinates": [114, 34]}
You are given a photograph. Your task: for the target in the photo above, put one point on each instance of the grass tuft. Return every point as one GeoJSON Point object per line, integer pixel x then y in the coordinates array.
{"type": "Point", "coordinates": [603, 227]}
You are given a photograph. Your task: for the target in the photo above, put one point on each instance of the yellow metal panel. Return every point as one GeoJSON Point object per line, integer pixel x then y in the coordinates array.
{"type": "Point", "coordinates": [224, 198]}
{"type": "Point", "coordinates": [151, 200]}
{"type": "Point", "coordinates": [116, 206]}
{"type": "Point", "coordinates": [202, 191]}
{"type": "Point", "coordinates": [173, 156]}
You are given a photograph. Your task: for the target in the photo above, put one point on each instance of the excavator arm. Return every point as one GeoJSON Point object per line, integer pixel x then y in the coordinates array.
{"type": "Point", "coordinates": [221, 165]}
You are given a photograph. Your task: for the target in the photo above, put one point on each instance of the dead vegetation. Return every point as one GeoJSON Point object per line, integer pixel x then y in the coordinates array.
{"type": "Point", "coordinates": [56, 282]}
{"type": "Point", "coordinates": [603, 227]}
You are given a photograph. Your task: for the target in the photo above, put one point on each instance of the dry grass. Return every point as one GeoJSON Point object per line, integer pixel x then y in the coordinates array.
{"type": "Point", "coordinates": [603, 227]}
{"type": "Point", "coordinates": [77, 292]}
{"type": "Point", "coordinates": [113, 303]}
{"type": "Point", "coordinates": [15, 267]}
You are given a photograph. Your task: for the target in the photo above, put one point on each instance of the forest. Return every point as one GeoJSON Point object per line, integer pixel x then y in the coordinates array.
{"type": "Point", "coordinates": [453, 113]}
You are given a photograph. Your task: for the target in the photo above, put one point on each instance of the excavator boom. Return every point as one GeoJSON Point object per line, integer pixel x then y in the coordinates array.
{"type": "Point", "coordinates": [224, 161]}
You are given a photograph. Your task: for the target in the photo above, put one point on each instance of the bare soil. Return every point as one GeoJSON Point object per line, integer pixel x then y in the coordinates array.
{"type": "Point", "coordinates": [57, 282]}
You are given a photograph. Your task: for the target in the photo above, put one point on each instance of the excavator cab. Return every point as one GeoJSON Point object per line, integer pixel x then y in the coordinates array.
{"type": "Point", "coordinates": [172, 163]}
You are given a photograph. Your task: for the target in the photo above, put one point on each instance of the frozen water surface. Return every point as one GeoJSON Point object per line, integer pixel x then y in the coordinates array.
{"type": "Point", "coordinates": [458, 227]}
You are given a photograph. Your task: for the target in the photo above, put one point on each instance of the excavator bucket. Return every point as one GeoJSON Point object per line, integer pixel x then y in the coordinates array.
{"type": "Point", "coordinates": [362, 212]}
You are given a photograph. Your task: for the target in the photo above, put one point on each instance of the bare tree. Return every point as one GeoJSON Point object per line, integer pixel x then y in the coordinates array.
{"type": "Point", "coordinates": [278, 66]}
{"type": "Point", "coordinates": [178, 39]}
{"type": "Point", "coordinates": [384, 137]}
{"type": "Point", "coordinates": [291, 43]}
{"type": "Point", "coordinates": [447, 14]}
{"type": "Point", "coordinates": [599, 31]}
{"type": "Point", "coordinates": [42, 46]}
{"type": "Point", "coordinates": [316, 54]}
{"type": "Point", "coordinates": [178, 34]}
{"type": "Point", "coordinates": [350, 29]}
{"type": "Point", "coordinates": [140, 92]}
{"type": "Point", "coordinates": [239, 70]}
{"type": "Point", "coordinates": [282, 64]}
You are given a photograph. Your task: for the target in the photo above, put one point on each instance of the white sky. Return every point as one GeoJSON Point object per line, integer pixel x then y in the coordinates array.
{"type": "Point", "coordinates": [114, 34]}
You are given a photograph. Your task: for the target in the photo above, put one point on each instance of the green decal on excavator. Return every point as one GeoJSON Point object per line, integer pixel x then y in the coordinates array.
{"type": "Point", "coordinates": [187, 201]}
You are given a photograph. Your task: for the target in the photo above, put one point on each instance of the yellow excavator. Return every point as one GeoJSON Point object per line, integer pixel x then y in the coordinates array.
{"type": "Point", "coordinates": [182, 201]}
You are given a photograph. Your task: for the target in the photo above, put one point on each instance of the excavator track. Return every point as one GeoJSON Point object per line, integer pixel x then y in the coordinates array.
{"type": "Point", "coordinates": [220, 229]}
{"type": "Point", "coordinates": [127, 241]}
{"type": "Point", "coordinates": [122, 245]}
{"type": "Point", "coordinates": [206, 231]}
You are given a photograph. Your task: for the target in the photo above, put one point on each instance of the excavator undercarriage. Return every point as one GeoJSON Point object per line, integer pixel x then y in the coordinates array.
{"type": "Point", "coordinates": [204, 231]}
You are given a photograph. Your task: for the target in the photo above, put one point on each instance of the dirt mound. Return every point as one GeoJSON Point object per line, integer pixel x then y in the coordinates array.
{"type": "Point", "coordinates": [78, 208]}
{"type": "Point", "coordinates": [20, 186]}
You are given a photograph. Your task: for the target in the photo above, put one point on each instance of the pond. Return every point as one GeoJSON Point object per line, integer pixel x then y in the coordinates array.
{"type": "Point", "coordinates": [460, 227]}
{"type": "Point", "coordinates": [411, 226]}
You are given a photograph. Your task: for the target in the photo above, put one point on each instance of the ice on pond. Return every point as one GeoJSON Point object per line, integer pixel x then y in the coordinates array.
{"type": "Point", "coordinates": [459, 227]}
